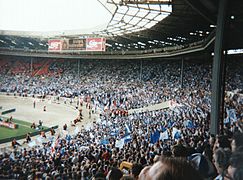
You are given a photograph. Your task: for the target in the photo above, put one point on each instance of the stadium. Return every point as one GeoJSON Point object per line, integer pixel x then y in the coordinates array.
{"type": "Point", "coordinates": [153, 89]}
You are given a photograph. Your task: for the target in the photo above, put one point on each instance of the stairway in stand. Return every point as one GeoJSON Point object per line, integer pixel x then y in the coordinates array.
{"type": "Point", "coordinates": [43, 69]}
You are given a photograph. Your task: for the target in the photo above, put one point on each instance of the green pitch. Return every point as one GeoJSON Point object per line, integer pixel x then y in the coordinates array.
{"type": "Point", "coordinates": [23, 128]}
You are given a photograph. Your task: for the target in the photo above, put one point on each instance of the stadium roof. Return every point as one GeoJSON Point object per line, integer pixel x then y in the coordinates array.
{"type": "Point", "coordinates": [131, 16]}
{"type": "Point", "coordinates": [189, 22]}
{"type": "Point", "coordinates": [60, 17]}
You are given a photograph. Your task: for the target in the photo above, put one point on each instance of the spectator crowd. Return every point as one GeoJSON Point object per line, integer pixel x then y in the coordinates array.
{"type": "Point", "coordinates": [171, 143]}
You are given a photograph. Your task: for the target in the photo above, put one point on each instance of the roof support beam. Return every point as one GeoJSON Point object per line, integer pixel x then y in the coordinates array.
{"type": "Point", "coordinates": [217, 107]}
{"type": "Point", "coordinates": [198, 7]}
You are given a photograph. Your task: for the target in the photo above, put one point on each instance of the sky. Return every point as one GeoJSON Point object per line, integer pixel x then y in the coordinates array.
{"type": "Point", "coordinates": [52, 15]}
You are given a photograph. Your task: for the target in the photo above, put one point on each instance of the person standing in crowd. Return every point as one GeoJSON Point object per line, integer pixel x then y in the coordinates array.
{"type": "Point", "coordinates": [11, 119]}
{"type": "Point", "coordinates": [33, 125]}
{"type": "Point", "coordinates": [27, 138]}
{"type": "Point", "coordinates": [40, 124]}
{"type": "Point", "coordinates": [15, 143]}
{"type": "Point", "coordinates": [52, 131]}
{"type": "Point", "coordinates": [43, 134]}
{"type": "Point", "coordinates": [80, 113]}
{"type": "Point", "coordinates": [237, 141]}
{"type": "Point", "coordinates": [34, 103]}
{"type": "Point", "coordinates": [136, 169]}
{"type": "Point", "coordinates": [65, 127]}
{"type": "Point", "coordinates": [221, 161]}
{"type": "Point", "coordinates": [90, 112]}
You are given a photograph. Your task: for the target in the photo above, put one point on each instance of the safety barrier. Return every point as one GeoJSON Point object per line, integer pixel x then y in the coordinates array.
{"type": "Point", "coordinates": [8, 111]}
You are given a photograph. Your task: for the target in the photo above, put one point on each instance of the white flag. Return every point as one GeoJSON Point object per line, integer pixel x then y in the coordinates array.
{"type": "Point", "coordinates": [164, 135]}
{"type": "Point", "coordinates": [32, 144]}
{"type": "Point", "coordinates": [119, 143]}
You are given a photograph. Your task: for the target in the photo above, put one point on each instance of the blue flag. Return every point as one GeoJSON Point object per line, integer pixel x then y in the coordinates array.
{"type": "Point", "coordinates": [127, 129]}
{"type": "Point", "coordinates": [176, 133]}
{"type": "Point", "coordinates": [155, 136]}
{"type": "Point", "coordinates": [231, 116]}
{"type": "Point", "coordinates": [190, 124]}
{"type": "Point", "coordinates": [127, 139]}
{"type": "Point", "coordinates": [104, 142]}
{"type": "Point", "coordinates": [170, 123]}
{"type": "Point", "coordinates": [163, 129]}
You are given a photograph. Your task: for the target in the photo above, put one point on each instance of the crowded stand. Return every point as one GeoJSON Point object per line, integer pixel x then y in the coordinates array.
{"type": "Point", "coordinates": [169, 143]}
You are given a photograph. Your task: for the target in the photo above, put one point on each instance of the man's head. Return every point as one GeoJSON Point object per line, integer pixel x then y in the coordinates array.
{"type": "Point", "coordinates": [136, 169]}
{"type": "Point", "coordinates": [115, 174]}
{"type": "Point", "coordinates": [237, 141]}
{"type": "Point", "coordinates": [170, 168]}
{"type": "Point", "coordinates": [235, 162]}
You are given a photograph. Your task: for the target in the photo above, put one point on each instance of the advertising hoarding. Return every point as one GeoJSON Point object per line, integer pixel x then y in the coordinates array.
{"type": "Point", "coordinates": [77, 44]}
{"type": "Point", "coordinates": [8, 125]}
{"type": "Point", "coordinates": [54, 45]}
{"type": "Point", "coordinates": [95, 44]}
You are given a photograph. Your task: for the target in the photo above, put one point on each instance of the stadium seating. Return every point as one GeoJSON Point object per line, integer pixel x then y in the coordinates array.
{"type": "Point", "coordinates": [120, 138]}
